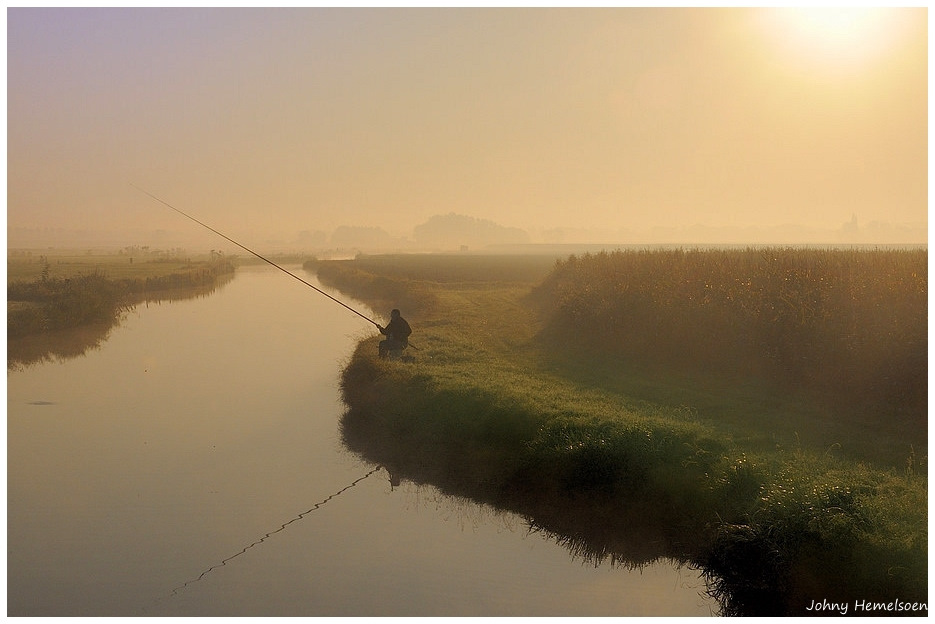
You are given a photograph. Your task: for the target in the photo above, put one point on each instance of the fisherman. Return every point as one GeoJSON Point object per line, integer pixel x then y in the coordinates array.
{"type": "Point", "coordinates": [397, 335]}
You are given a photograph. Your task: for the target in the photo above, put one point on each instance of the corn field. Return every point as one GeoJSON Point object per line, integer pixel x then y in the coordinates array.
{"type": "Point", "coordinates": [850, 325]}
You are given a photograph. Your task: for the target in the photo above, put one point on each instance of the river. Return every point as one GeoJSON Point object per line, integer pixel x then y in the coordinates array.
{"type": "Point", "coordinates": [193, 466]}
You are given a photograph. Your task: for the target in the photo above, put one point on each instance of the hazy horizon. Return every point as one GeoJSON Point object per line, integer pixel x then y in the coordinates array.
{"type": "Point", "coordinates": [194, 239]}
{"type": "Point", "coordinates": [574, 125]}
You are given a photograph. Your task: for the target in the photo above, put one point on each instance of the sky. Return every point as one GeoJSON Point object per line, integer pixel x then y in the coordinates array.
{"type": "Point", "coordinates": [265, 123]}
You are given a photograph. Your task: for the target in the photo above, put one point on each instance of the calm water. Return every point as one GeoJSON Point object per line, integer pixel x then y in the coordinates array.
{"type": "Point", "coordinates": [143, 476]}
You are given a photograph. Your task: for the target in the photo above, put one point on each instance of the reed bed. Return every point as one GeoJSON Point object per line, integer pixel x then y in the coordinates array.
{"type": "Point", "coordinates": [849, 325]}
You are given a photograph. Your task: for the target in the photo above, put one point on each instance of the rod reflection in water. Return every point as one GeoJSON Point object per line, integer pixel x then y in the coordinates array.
{"type": "Point", "coordinates": [271, 533]}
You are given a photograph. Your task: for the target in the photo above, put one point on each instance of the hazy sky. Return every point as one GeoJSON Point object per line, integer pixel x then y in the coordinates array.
{"type": "Point", "coordinates": [267, 122]}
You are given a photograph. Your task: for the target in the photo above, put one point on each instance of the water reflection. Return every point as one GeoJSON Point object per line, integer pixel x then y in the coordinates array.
{"type": "Point", "coordinates": [64, 344]}
{"type": "Point", "coordinates": [282, 527]}
{"type": "Point", "coordinates": [630, 535]}
{"type": "Point", "coordinates": [55, 346]}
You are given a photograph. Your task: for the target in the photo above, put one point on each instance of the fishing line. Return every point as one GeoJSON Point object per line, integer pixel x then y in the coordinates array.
{"type": "Point", "coordinates": [271, 533]}
{"type": "Point", "coordinates": [247, 249]}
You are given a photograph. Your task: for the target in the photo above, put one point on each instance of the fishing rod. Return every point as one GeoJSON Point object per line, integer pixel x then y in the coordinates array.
{"type": "Point", "coordinates": [264, 259]}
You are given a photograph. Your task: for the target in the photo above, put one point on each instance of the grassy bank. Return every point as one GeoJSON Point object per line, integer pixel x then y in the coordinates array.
{"type": "Point", "coordinates": [494, 409]}
{"type": "Point", "coordinates": [51, 293]}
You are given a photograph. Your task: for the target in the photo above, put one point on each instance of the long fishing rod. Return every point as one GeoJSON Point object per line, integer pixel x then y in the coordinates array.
{"type": "Point", "coordinates": [290, 273]}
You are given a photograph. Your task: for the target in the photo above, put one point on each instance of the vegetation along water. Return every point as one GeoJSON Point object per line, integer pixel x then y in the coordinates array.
{"type": "Point", "coordinates": [65, 303]}
{"type": "Point", "coordinates": [759, 413]}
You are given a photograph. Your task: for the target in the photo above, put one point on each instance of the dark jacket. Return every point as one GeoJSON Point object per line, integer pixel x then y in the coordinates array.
{"type": "Point", "coordinates": [397, 329]}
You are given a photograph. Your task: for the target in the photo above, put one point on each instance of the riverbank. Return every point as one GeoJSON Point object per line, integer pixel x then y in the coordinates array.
{"type": "Point", "coordinates": [64, 305]}
{"type": "Point", "coordinates": [488, 410]}
{"type": "Point", "coordinates": [54, 294]}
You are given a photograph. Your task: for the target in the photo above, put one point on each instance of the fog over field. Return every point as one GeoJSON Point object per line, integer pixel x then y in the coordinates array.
{"type": "Point", "coordinates": [309, 128]}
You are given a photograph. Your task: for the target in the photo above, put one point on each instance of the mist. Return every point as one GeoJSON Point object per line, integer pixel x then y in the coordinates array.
{"type": "Point", "coordinates": [307, 129]}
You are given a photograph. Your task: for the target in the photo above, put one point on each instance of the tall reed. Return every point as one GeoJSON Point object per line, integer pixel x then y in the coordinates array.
{"type": "Point", "coordinates": [851, 325]}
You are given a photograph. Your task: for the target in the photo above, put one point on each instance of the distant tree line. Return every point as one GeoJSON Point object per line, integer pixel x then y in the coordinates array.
{"type": "Point", "coordinates": [450, 231]}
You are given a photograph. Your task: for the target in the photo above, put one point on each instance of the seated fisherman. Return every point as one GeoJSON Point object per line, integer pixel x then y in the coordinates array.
{"type": "Point", "coordinates": [397, 335]}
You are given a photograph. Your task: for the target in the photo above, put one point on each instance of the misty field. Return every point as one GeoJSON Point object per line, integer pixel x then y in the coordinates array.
{"type": "Point", "coordinates": [696, 387]}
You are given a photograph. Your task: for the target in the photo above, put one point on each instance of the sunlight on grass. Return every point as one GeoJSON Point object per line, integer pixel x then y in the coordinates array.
{"type": "Point", "coordinates": [492, 403]}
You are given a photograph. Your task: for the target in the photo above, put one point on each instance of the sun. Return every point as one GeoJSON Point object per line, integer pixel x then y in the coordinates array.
{"type": "Point", "coordinates": [833, 38]}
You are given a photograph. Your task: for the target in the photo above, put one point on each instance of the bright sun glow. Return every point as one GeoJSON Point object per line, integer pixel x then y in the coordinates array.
{"type": "Point", "coordinates": [844, 39]}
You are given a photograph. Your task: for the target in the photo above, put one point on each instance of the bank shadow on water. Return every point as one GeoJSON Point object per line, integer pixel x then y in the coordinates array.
{"type": "Point", "coordinates": [51, 346]}
{"type": "Point", "coordinates": [628, 534]}
{"type": "Point", "coordinates": [743, 574]}
{"type": "Point", "coordinates": [64, 344]}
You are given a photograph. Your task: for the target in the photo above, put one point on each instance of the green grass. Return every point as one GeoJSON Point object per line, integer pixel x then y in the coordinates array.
{"type": "Point", "coordinates": [601, 456]}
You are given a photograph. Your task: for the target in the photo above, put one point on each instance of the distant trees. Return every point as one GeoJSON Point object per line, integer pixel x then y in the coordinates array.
{"type": "Point", "coordinates": [450, 231]}
{"type": "Point", "coordinates": [309, 238]}
{"type": "Point", "coordinates": [353, 236]}
{"type": "Point", "coordinates": [454, 230]}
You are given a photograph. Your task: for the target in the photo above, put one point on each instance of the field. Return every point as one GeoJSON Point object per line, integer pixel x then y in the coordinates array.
{"type": "Point", "coordinates": [778, 496]}
{"type": "Point", "coordinates": [130, 263]}
{"type": "Point", "coordinates": [838, 336]}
